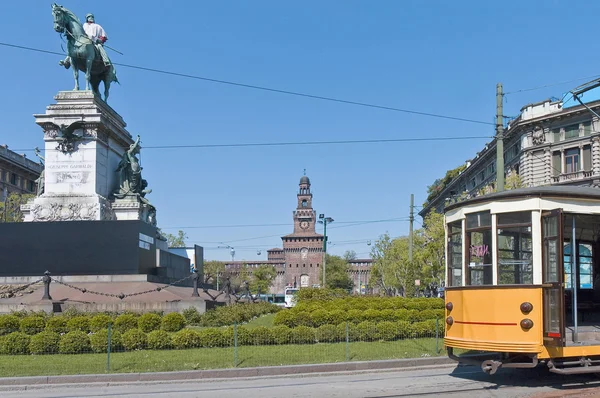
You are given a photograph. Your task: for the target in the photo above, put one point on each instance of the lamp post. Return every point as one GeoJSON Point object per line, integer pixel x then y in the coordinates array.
{"type": "Point", "coordinates": [324, 220]}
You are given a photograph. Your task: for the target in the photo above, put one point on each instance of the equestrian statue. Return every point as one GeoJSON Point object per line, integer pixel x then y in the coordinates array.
{"type": "Point", "coordinates": [85, 50]}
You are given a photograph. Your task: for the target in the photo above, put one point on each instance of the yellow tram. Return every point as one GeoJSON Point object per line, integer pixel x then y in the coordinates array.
{"type": "Point", "coordinates": [523, 279]}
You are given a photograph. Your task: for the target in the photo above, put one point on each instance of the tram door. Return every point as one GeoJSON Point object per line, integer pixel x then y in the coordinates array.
{"type": "Point", "coordinates": [552, 278]}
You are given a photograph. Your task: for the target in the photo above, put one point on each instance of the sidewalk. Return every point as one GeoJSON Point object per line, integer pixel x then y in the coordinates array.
{"type": "Point", "coordinates": [13, 383]}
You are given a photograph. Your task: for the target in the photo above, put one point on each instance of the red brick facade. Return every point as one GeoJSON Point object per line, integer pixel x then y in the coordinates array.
{"type": "Point", "coordinates": [303, 249]}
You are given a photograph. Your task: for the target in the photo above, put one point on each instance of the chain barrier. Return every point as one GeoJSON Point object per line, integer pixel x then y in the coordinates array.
{"type": "Point", "coordinates": [121, 296]}
{"type": "Point", "coordinates": [10, 293]}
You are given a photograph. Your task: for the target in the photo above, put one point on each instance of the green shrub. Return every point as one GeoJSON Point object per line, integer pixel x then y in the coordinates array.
{"type": "Point", "coordinates": [125, 322]}
{"type": "Point", "coordinates": [44, 343]}
{"type": "Point", "coordinates": [173, 322]}
{"type": "Point", "coordinates": [320, 317]}
{"type": "Point", "coordinates": [337, 316]}
{"type": "Point", "coordinates": [71, 312]}
{"type": "Point", "coordinates": [328, 334]}
{"type": "Point", "coordinates": [387, 315]}
{"type": "Point", "coordinates": [285, 318]}
{"type": "Point", "coordinates": [149, 322]}
{"type": "Point", "coordinates": [159, 340]}
{"type": "Point", "coordinates": [81, 323]}
{"type": "Point", "coordinates": [186, 338]}
{"type": "Point", "coordinates": [8, 324]}
{"type": "Point", "coordinates": [302, 318]}
{"type": "Point", "coordinates": [303, 335]}
{"type": "Point", "coordinates": [192, 316]}
{"type": "Point", "coordinates": [56, 324]}
{"type": "Point", "coordinates": [74, 342]}
{"type": "Point", "coordinates": [32, 325]}
{"type": "Point", "coordinates": [212, 337]}
{"type": "Point", "coordinates": [262, 336]}
{"type": "Point", "coordinates": [134, 339]}
{"type": "Point", "coordinates": [401, 315]}
{"type": "Point", "coordinates": [371, 315]}
{"type": "Point", "coordinates": [354, 316]}
{"type": "Point", "coordinates": [320, 294]}
{"type": "Point", "coordinates": [425, 328]}
{"type": "Point", "coordinates": [16, 343]}
{"type": "Point", "coordinates": [99, 341]}
{"type": "Point", "coordinates": [99, 322]}
{"type": "Point", "coordinates": [405, 329]}
{"type": "Point", "coordinates": [367, 331]}
{"type": "Point", "coordinates": [387, 331]}
{"type": "Point", "coordinates": [281, 334]}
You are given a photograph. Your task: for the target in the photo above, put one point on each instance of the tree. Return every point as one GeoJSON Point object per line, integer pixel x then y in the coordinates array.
{"type": "Point", "coordinates": [336, 270]}
{"type": "Point", "coordinates": [395, 274]}
{"type": "Point", "coordinates": [349, 255]}
{"type": "Point", "coordinates": [262, 279]}
{"type": "Point", "coordinates": [176, 240]}
{"type": "Point", "coordinates": [212, 269]}
{"type": "Point", "coordinates": [432, 255]}
{"type": "Point", "coordinates": [10, 210]}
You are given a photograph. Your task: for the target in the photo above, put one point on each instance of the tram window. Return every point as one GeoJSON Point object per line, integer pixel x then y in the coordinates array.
{"type": "Point", "coordinates": [515, 248]}
{"type": "Point", "coordinates": [455, 253]}
{"type": "Point", "coordinates": [584, 261]}
{"type": "Point", "coordinates": [479, 240]}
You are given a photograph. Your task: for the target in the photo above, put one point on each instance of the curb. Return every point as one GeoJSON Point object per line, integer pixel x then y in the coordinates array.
{"type": "Point", "coordinates": [30, 381]}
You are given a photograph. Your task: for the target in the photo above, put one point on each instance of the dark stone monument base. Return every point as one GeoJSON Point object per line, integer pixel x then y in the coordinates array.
{"type": "Point", "coordinates": [95, 248]}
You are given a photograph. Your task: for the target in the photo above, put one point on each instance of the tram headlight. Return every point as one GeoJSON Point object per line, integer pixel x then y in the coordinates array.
{"type": "Point", "coordinates": [449, 321]}
{"type": "Point", "coordinates": [526, 307]}
{"type": "Point", "coordinates": [449, 306]}
{"type": "Point", "coordinates": [526, 324]}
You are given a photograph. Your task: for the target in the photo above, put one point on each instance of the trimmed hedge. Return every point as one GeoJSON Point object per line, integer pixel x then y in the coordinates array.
{"type": "Point", "coordinates": [125, 322]}
{"type": "Point", "coordinates": [173, 322]}
{"type": "Point", "coordinates": [44, 343]}
{"type": "Point", "coordinates": [8, 324]}
{"type": "Point", "coordinates": [99, 341]}
{"type": "Point", "coordinates": [79, 323]}
{"type": "Point", "coordinates": [32, 325]}
{"type": "Point", "coordinates": [159, 340]}
{"type": "Point", "coordinates": [74, 342]}
{"type": "Point", "coordinates": [231, 314]}
{"type": "Point", "coordinates": [149, 322]}
{"type": "Point", "coordinates": [56, 324]}
{"type": "Point", "coordinates": [134, 339]}
{"type": "Point", "coordinates": [360, 309]}
{"type": "Point", "coordinates": [16, 343]}
{"type": "Point", "coordinates": [100, 322]}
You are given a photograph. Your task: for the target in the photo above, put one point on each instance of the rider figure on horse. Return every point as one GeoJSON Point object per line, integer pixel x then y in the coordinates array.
{"type": "Point", "coordinates": [97, 35]}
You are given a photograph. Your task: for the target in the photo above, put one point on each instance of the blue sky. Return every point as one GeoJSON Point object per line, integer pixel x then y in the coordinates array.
{"type": "Point", "coordinates": [429, 56]}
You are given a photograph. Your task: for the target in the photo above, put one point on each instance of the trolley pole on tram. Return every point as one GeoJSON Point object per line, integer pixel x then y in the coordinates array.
{"type": "Point", "coordinates": [499, 139]}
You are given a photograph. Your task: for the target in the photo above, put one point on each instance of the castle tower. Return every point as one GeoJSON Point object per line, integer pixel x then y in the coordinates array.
{"type": "Point", "coordinates": [303, 249]}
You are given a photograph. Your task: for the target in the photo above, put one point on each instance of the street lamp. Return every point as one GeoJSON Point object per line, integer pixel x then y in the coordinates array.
{"type": "Point", "coordinates": [324, 220]}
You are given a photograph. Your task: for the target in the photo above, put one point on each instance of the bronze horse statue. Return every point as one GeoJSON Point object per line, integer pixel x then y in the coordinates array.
{"type": "Point", "coordinates": [82, 53]}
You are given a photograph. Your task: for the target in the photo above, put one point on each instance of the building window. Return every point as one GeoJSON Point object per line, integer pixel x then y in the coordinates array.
{"type": "Point", "coordinates": [31, 186]}
{"type": "Point", "coordinates": [515, 249]}
{"type": "Point", "coordinates": [304, 203]}
{"type": "Point", "coordinates": [455, 253]}
{"type": "Point", "coordinates": [13, 179]}
{"type": "Point", "coordinates": [572, 131]}
{"type": "Point", "coordinates": [479, 241]}
{"type": "Point", "coordinates": [572, 160]}
{"type": "Point", "coordinates": [587, 128]}
{"type": "Point", "coordinates": [482, 175]}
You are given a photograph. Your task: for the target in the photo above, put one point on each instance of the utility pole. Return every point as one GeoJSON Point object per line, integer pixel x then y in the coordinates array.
{"type": "Point", "coordinates": [324, 220]}
{"type": "Point", "coordinates": [499, 139]}
{"type": "Point", "coordinates": [410, 231]}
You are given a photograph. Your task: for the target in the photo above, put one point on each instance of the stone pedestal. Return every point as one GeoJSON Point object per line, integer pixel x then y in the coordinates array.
{"type": "Point", "coordinates": [84, 141]}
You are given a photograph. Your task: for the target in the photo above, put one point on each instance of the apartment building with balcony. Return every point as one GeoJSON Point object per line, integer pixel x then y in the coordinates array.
{"type": "Point", "coordinates": [17, 173]}
{"type": "Point", "coordinates": [550, 143]}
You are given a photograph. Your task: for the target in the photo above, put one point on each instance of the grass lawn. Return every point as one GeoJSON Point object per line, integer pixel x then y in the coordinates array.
{"type": "Point", "coordinates": [214, 358]}
{"type": "Point", "coordinates": [265, 320]}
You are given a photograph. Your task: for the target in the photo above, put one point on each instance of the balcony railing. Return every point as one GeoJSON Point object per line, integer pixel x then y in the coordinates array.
{"type": "Point", "coordinates": [566, 177]}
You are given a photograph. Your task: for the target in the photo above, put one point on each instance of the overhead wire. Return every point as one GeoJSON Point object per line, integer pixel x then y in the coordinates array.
{"type": "Point", "coordinates": [263, 88]}
{"type": "Point", "coordinates": [550, 85]}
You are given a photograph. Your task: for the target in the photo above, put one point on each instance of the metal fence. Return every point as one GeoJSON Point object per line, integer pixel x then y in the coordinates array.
{"type": "Point", "coordinates": [53, 348]}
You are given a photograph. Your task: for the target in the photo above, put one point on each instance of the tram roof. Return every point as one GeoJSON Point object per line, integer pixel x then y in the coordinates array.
{"type": "Point", "coordinates": [535, 192]}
